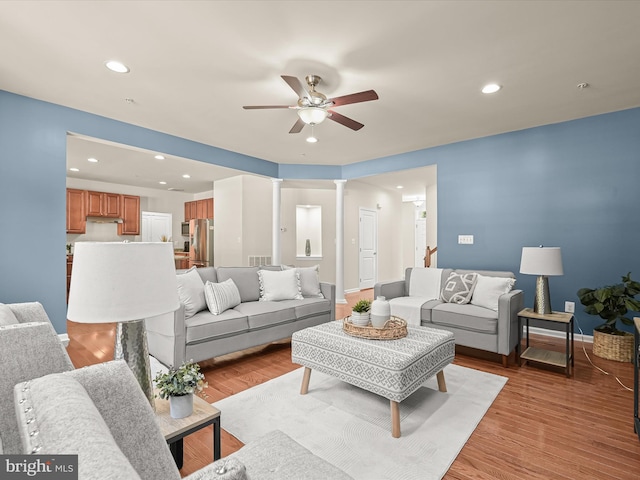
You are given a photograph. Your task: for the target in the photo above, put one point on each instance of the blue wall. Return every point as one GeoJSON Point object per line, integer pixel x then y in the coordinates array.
{"type": "Point", "coordinates": [574, 185]}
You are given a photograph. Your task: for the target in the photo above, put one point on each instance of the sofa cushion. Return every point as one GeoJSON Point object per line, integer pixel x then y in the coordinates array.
{"type": "Point", "coordinates": [245, 278]}
{"type": "Point", "coordinates": [425, 311]}
{"type": "Point", "coordinates": [6, 315]}
{"type": "Point", "coordinates": [205, 326]}
{"type": "Point", "coordinates": [264, 314]}
{"type": "Point", "coordinates": [458, 288]}
{"type": "Point", "coordinates": [308, 307]}
{"type": "Point", "coordinates": [309, 280]}
{"type": "Point", "coordinates": [465, 317]}
{"type": "Point", "coordinates": [207, 274]}
{"type": "Point", "coordinates": [64, 417]}
{"type": "Point", "coordinates": [191, 292]}
{"type": "Point", "coordinates": [282, 285]}
{"type": "Point", "coordinates": [489, 289]}
{"type": "Point", "coordinates": [221, 296]}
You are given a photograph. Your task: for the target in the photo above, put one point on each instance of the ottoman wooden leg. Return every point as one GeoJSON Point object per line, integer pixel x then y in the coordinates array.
{"type": "Point", "coordinates": [395, 419]}
{"type": "Point", "coordinates": [305, 381]}
{"type": "Point", "coordinates": [442, 386]}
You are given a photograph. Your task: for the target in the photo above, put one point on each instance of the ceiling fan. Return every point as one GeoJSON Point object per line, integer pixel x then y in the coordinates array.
{"type": "Point", "coordinates": [314, 107]}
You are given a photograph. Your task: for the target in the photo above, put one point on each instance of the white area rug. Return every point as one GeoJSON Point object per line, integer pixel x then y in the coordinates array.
{"type": "Point", "coordinates": [351, 428]}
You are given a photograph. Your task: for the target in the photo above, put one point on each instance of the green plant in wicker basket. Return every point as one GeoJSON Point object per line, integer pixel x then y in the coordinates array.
{"type": "Point", "coordinates": [362, 306]}
{"type": "Point", "coordinates": [181, 381]}
{"type": "Point", "coordinates": [612, 303]}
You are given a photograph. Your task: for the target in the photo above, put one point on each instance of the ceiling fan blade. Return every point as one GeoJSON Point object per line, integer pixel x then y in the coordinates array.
{"type": "Point", "coordinates": [296, 85]}
{"type": "Point", "coordinates": [297, 127]}
{"type": "Point", "coordinates": [346, 121]}
{"type": "Point", "coordinates": [260, 107]}
{"type": "Point", "coordinates": [355, 98]}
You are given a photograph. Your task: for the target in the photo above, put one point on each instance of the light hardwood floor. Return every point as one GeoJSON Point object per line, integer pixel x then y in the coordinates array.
{"type": "Point", "coordinates": [542, 425]}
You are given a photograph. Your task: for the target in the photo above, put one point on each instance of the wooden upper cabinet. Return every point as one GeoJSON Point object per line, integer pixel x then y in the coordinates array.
{"type": "Point", "coordinates": [198, 209]}
{"type": "Point", "coordinates": [76, 213]}
{"type": "Point", "coordinates": [101, 204]}
{"type": "Point", "coordinates": [209, 208]}
{"type": "Point", "coordinates": [130, 214]}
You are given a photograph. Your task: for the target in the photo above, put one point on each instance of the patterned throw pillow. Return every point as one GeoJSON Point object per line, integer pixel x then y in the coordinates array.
{"type": "Point", "coordinates": [221, 296]}
{"type": "Point", "coordinates": [459, 288]}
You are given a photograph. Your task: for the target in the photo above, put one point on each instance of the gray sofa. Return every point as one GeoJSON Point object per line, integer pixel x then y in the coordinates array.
{"type": "Point", "coordinates": [56, 413]}
{"type": "Point", "coordinates": [472, 325]}
{"type": "Point", "coordinates": [175, 337]}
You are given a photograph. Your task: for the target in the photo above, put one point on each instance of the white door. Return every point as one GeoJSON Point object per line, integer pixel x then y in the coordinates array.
{"type": "Point", "coordinates": [420, 241]}
{"type": "Point", "coordinates": [155, 225]}
{"type": "Point", "coordinates": [368, 248]}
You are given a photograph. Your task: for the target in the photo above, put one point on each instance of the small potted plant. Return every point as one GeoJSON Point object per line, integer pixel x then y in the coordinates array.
{"type": "Point", "coordinates": [360, 312]}
{"type": "Point", "coordinates": [179, 385]}
{"type": "Point", "coordinates": [612, 303]}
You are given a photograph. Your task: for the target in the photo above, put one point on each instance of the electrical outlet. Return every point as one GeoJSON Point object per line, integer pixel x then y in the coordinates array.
{"type": "Point", "coordinates": [569, 307]}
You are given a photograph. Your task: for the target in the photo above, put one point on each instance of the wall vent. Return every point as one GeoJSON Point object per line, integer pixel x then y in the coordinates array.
{"type": "Point", "coordinates": [259, 260]}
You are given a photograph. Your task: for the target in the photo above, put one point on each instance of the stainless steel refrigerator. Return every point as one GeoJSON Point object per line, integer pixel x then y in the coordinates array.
{"type": "Point", "coordinates": [201, 243]}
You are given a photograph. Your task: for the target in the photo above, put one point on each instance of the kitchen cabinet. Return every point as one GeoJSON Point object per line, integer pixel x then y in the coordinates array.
{"type": "Point", "coordinates": [76, 213]}
{"type": "Point", "coordinates": [69, 268]}
{"type": "Point", "coordinates": [102, 204]}
{"type": "Point", "coordinates": [130, 214]}
{"type": "Point", "coordinates": [198, 209]}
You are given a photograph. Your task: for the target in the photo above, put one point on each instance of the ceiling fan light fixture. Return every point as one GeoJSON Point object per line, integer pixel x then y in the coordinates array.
{"type": "Point", "coordinates": [312, 115]}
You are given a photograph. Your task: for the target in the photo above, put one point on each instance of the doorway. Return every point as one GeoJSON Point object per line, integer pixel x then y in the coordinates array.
{"type": "Point", "coordinates": [156, 226]}
{"type": "Point", "coordinates": [368, 251]}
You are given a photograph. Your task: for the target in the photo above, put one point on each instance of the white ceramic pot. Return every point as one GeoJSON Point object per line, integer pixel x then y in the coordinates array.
{"type": "Point", "coordinates": [380, 312]}
{"type": "Point", "coordinates": [360, 318]}
{"type": "Point", "coordinates": [181, 406]}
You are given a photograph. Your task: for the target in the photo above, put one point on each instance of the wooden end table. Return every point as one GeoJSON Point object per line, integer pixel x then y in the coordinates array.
{"type": "Point", "coordinates": [557, 359]}
{"type": "Point", "coordinates": [175, 429]}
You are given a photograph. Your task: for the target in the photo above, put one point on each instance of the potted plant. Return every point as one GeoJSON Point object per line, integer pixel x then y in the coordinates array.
{"type": "Point", "coordinates": [179, 385]}
{"type": "Point", "coordinates": [360, 312]}
{"type": "Point", "coordinates": [612, 303]}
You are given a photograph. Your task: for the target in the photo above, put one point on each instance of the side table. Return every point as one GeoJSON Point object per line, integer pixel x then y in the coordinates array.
{"type": "Point", "coordinates": [175, 429]}
{"type": "Point", "coordinates": [558, 359]}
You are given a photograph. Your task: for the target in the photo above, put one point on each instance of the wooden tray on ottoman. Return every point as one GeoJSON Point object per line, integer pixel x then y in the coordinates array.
{"type": "Point", "coordinates": [394, 328]}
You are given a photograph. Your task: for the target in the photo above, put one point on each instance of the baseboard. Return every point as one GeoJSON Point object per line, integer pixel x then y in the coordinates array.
{"type": "Point", "coordinates": [560, 334]}
{"type": "Point", "coordinates": [64, 338]}
{"type": "Point", "coordinates": [353, 290]}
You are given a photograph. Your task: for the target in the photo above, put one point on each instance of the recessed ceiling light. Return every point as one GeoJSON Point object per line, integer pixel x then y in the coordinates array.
{"type": "Point", "coordinates": [399, 187]}
{"type": "Point", "coordinates": [159, 157]}
{"type": "Point", "coordinates": [186, 175]}
{"type": "Point", "coordinates": [491, 88]}
{"type": "Point", "coordinates": [116, 66]}
{"type": "Point", "coordinates": [312, 139]}
{"type": "Point", "coordinates": [74, 169]}
{"type": "Point", "coordinates": [92, 160]}
{"type": "Point", "coordinates": [162, 183]}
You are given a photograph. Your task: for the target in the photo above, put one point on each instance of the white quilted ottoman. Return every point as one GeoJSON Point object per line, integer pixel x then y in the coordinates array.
{"type": "Point", "coordinates": [393, 369]}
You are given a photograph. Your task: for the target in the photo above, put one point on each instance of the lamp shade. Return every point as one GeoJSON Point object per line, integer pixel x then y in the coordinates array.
{"type": "Point", "coordinates": [545, 261]}
{"type": "Point", "coordinates": [121, 282]}
{"type": "Point", "coordinates": [312, 115]}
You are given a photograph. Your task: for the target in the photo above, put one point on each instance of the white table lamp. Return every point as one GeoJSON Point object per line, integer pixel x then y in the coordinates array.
{"type": "Point", "coordinates": [124, 283]}
{"type": "Point", "coordinates": [544, 262]}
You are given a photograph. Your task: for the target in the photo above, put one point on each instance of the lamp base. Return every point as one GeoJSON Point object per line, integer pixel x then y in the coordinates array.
{"type": "Point", "coordinates": [542, 302]}
{"type": "Point", "coordinates": [131, 346]}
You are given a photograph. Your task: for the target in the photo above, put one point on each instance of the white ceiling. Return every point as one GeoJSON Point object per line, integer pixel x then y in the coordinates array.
{"type": "Point", "coordinates": [194, 64]}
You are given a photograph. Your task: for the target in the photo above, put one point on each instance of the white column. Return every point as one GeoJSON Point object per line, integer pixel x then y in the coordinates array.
{"type": "Point", "coordinates": [276, 257]}
{"type": "Point", "coordinates": [340, 241]}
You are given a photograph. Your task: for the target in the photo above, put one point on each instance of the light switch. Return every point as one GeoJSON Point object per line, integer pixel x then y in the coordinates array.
{"type": "Point", "coordinates": [465, 239]}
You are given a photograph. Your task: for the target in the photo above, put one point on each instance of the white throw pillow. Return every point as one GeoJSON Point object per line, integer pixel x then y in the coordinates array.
{"type": "Point", "coordinates": [7, 316]}
{"type": "Point", "coordinates": [489, 289]}
{"type": "Point", "coordinates": [279, 285]}
{"type": "Point", "coordinates": [309, 280]}
{"type": "Point", "coordinates": [221, 296]}
{"type": "Point", "coordinates": [191, 292]}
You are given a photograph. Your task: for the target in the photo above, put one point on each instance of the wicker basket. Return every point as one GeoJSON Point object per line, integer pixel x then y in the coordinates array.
{"type": "Point", "coordinates": [613, 347]}
{"type": "Point", "coordinates": [394, 328]}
